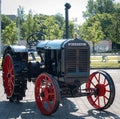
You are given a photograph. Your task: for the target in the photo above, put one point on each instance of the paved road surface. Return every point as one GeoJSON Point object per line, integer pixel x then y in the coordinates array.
{"type": "Point", "coordinates": [70, 108]}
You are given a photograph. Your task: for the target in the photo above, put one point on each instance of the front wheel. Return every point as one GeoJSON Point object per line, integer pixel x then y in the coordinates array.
{"type": "Point", "coordinates": [47, 94]}
{"type": "Point", "coordinates": [103, 85]}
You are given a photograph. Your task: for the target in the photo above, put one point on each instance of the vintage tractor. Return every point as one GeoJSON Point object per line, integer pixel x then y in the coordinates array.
{"type": "Point", "coordinates": [62, 68]}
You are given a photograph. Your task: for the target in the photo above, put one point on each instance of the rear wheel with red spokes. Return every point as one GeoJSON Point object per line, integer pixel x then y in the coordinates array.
{"type": "Point", "coordinates": [14, 81]}
{"type": "Point", "coordinates": [8, 75]}
{"type": "Point", "coordinates": [47, 94]}
{"type": "Point", "coordinates": [104, 90]}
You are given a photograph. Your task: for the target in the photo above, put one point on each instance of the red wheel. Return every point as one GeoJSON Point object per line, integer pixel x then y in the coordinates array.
{"type": "Point", "coordinates": [8, 75]}
{"type": "Point", "coordinates": [103, 85]}
{"type": "Point", "coordinates": [47, 94]}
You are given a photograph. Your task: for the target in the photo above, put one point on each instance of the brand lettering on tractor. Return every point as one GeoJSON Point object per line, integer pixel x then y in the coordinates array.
{"type": "Point", "coordinates": [76, 44]}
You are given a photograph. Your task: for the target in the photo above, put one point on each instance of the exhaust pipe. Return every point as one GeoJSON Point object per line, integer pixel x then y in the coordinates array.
{"type": "Point", "coordinates": [67, 7]}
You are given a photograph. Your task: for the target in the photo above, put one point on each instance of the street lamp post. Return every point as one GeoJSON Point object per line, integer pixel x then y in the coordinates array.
{"type": "Point", "coordinates": [20, 17]}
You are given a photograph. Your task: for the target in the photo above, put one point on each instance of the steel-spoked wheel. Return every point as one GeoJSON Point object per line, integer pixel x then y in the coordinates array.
{"type": "Point", "coordinates": [47, 94]}
{"type": "Point", "coordinates": [8, 75]}
{"type": "Point", "coordinates": [104, 90]}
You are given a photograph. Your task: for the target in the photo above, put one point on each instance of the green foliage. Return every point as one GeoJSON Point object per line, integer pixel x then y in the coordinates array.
{"type": "Point", "coordinates": [98, 7]}
{"type": "Point", "coordinates": [105, 20]}
{"type": "Point", "coordinates": [28, 26]}
{"type": "Point", "coordinates": [5, 21]}
{"type": "Point", "coordinates": [106, 16]}
{"type": "Point", "coordinates": [9, 34]}
{"type": "Point", "coordinates": [91, 30]}
{"type": "Point", "coordinates": [115, 27]}
{"type": "Point", "coordinates": [71, 29]}
{"type": "Point", "coordinates": [51, 26]}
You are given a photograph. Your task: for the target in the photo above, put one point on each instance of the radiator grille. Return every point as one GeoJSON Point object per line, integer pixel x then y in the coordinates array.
{"type": "Point", "coordinates": [77, 60]}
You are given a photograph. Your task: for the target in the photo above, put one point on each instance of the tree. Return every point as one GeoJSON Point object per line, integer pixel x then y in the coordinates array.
{"type": "Point", "coordinates": [71, 29]}
{"type": "Point", "coordinates": [28, 25]}
{"type": "Point", "coordinates": [91, 30]}
{"type": "Point", "coordinates": [59, 18]}
{"type": "Point", "coordinates": [5, 21]}
{"type": "Point", "coordinates": [115, 27]}
{"type": "Point", "coordinates": [105, 20]}
{"type": "Point", "coordinates": [90, 9]}
{"type": "Point", "coordinates": [9, 34]}
{"type": "Point", "coordinates": [98, 7]}
{"type": "Point", "coordinates": [61, 24]}
{"type": "Point", "coordinates": [108, 14]}
{"type": "Point", "coordinates": [52, 26]}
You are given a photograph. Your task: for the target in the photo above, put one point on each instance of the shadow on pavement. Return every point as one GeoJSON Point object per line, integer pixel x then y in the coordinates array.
{"type": "Point", "coordinates": [73, 112]}
{"type": "Point", "coordinates": [102, 114]}
{"type": "Point", "coordinates": [67, 110]}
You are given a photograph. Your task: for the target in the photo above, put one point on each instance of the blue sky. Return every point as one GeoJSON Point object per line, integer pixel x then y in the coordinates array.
{"type": "Point", "coordinates": [49, 7]}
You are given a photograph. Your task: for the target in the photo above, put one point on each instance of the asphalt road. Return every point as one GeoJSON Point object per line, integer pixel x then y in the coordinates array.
{"type": "Point", "coordinates": [70, 108]}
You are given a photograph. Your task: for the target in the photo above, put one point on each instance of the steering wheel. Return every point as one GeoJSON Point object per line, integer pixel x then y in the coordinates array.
{"type": "Point", "coordinates": [34, 38]}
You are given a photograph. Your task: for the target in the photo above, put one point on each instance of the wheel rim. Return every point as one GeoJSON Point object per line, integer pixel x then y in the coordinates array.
{"type": "Point", "coordinates": [8, 75]}
{"type": "Point", "coordinates": [45, 94]}
{"type": "Point", "coordinates": [104, 93]}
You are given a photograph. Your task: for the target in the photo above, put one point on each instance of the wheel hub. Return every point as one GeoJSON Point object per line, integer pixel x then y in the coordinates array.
{"type": "Point", "coordinates": [44, 94]}
{"type": "Point", "coordinates": [100, 89]}
{"type": "Point", "coordinates": [8, 75]}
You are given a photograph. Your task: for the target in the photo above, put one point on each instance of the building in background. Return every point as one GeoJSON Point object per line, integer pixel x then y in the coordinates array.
{"type": "Point", "coordinates": [102, 46]}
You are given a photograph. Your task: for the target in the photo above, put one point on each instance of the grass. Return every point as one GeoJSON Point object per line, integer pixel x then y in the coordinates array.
{"type": "Point", "coordinates": [108, 58]}
{"type": "Point", "coordinates": [105, 64]}
{"type": "Point", "coordinates": [111, 62]}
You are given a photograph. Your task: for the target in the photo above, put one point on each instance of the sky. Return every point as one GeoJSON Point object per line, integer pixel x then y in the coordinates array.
{"type": "Point", "coordinates": [48, 7]}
